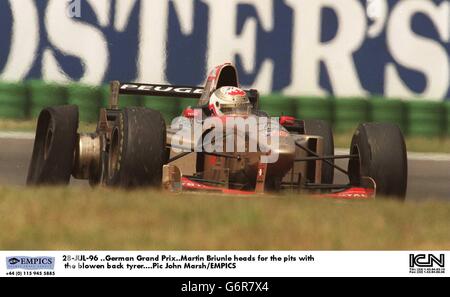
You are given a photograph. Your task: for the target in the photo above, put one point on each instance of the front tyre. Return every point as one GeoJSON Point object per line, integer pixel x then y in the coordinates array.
{"type": "Point", "coordinates": [382, 156]}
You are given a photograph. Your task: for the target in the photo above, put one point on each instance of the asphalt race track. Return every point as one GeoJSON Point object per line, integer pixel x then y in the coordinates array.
{"type": "Point", "coordinates": [429, 175]}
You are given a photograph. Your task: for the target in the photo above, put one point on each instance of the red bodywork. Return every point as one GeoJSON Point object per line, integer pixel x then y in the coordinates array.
{"type": "Point", "coordinates": [348, 194]}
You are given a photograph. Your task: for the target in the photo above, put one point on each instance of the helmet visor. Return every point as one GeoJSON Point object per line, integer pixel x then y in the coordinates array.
{"type": "Point", "coordinates": [243, 109]}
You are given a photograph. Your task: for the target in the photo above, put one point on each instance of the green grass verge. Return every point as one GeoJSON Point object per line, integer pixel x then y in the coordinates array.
{"type": "Point", "coordinates": [101, 219]}
{"type": "Point", "coordinates": [15, 125]}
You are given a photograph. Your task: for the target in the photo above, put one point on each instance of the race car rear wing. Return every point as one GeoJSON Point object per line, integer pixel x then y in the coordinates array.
{"type": "Point", "coordinates": [161, 90]}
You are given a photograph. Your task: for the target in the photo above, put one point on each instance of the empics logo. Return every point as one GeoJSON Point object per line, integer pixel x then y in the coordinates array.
{"type": "Point", "coordinates": [13, 261]}
{"type": "Point", "coordinates": [426, 263]}
{"type": "Point", "coordinates": [30, 263]}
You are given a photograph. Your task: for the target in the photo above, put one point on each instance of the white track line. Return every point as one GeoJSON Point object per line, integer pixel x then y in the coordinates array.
{"type": "Point", "coordinates": [438, 157]}
{"type": "Point", "coordinates": [413, 156]}
{"type": "Point", "coordinates": [17, 135]}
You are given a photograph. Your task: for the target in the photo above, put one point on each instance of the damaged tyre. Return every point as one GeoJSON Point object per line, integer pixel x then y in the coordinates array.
{"type": "Point", "coordinates": [54, 146]}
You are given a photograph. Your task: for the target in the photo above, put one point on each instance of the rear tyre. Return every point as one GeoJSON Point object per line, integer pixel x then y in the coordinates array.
{"type": "Point", "coordinates": [137, 150]}
{"type": "Point", "coordinates": [323, 129]}
{"type": "Point", "coordinates": [54, 146]}
{"type": "Point", "coordinates": [382, 156]}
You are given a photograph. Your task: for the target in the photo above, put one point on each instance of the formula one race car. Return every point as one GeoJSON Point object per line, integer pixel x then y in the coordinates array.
{"type": "Point", "coordinates": [133, 147]}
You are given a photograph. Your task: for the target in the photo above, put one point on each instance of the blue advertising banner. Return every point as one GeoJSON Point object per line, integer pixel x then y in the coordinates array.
{"type": "Point", "coordinates": [398, 49]}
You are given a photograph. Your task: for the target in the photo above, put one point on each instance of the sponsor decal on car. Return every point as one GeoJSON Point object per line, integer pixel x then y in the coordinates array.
{"type": "Point", "coordinates": [160, 88]}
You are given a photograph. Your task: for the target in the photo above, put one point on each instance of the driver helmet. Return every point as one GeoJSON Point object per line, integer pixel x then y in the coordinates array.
{"type": "Point", "coordinates": [229, 100]}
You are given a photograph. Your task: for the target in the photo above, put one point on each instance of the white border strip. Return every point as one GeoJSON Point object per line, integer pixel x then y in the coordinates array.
{"type": "Point", "coordinates": [237, 264]}
{"type": "Point", "coordinates": [437, 157]}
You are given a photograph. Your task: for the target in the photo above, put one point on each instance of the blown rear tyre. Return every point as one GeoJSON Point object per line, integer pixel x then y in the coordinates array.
{"type": "Point", "coordinates": [54, 146]}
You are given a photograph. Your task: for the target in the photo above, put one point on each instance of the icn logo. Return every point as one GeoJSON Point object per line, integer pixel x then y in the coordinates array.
{"type": "Point", "coordinates": [74, 9]}
{"type": "Point", "coordinates": [430, 260]}
{"type": "Point", "coordinates": [426, 263]}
